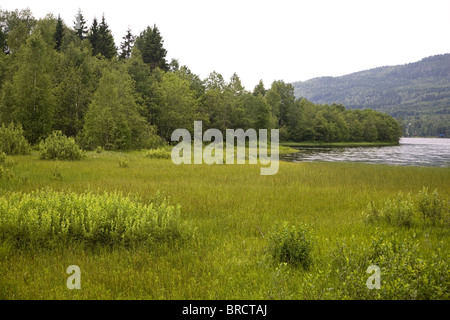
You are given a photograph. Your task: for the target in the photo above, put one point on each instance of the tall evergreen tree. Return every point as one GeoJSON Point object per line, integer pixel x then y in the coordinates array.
{"type": "Point", "coordinates": [127, 45]}
{"type": "Point", "coordinates": [59, 33]}
{"type": "Point", "coordinates": [150, 44]}
{"type": "Point", "coordinates": [106, 40]}
{"type": "Point", "coordinates": [94, 37]}
{"type": "Point", "coordinates": [80, 25]}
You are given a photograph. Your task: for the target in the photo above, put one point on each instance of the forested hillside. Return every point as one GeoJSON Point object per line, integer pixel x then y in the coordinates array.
{"type": "Point", "coordinates": [73, 79]}
{"type": "Point", "coordinates": [418, 93]}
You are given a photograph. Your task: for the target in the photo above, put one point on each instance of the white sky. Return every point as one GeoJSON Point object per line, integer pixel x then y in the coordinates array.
{"type": "Point", "coordinates": [277, 39]}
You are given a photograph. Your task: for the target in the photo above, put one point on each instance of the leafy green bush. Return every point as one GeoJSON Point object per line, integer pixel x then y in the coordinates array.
{"type": "Point", "coordinates": [59, 147]}
{"type": "Point", "coordinates": [406, 271]}
{"type": "Point", "coordinates": [48, 218]}
{"type": "Point", "coordinates": [158, 154]}
{"type": "Point", "coordinates": [399, 211]}
{"type": "Point", "coordinates": [12, 140]}
{"type": "Point", "coordinates": [407, 211]}
{"type": "Point", "coordinates": [291, 244]}
{"type": "Point", "coordinates": [432, 207]}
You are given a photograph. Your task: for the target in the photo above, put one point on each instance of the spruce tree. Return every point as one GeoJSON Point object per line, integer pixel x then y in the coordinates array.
{"type": "Point", "coordinates": [150, 44]}
{"type": "Point", "coordinates": [94, 37]}
{"type": "Point", "coordinates": [106, 40]}
{"type": "Point", "coordinates": [127, 45]}
{"type": "Point", "coordinates": [80, 25]}
{"type": "Point", "coordinates": [59, 33]}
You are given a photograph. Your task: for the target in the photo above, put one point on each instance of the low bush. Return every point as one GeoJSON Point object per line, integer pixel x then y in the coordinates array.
{"type": "Point", "coordinates": [408, 210]}
{"type": "Point", "coordinates": [406, 271]}
{"type": "Point", "coordinates": [159, 153]}
{"type": "Point", "coordinates": [291, 244]}
{"type": "Point", "coordinates": [432, 208]}
{"type": "Point", "coordinates": [12, 140]}
{"type": "Point", "coordinates": [59, 147]}
{"type": "Point", "coordinates": [48, 218]}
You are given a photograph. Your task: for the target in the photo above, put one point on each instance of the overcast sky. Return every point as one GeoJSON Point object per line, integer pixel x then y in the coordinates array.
{"type": "Point", "coordinates": [274, 40]}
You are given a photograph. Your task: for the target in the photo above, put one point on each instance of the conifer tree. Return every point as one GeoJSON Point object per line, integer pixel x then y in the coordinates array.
{"type": "Point", "coordinates": [94, 37]}
{"type": "Point", "coordinates": [127, 45]}
{"type": "Point", "coordinates": [80, 25]}
{"type": "Point", "coordinates": [59, 33]}
{"type": "Point", "coordinates": [106, 40]}
{"type": "Point", "coordinates": [150, 44]}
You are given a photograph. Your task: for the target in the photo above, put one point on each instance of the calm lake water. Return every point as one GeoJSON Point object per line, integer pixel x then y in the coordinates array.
{"type": "Point", "coordinates": [411, 152]}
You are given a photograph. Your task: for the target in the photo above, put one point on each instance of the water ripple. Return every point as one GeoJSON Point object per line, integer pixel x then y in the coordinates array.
{"type": "Point", "coordinates": [410, 152]}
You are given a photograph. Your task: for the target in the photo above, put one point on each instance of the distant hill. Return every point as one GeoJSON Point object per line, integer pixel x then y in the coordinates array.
{"type": "Point", "coordinates": [419, 93]}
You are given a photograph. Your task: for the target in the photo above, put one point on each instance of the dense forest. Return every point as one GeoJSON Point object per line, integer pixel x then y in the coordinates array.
{"type": "Point", "coordinates": [75, 80]}
{"type": "Point", "coordinates": [417, 93]}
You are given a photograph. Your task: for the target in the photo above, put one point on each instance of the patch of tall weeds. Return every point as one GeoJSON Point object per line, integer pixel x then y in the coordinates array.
{"type": "Point", "coordinates": [47, 218]}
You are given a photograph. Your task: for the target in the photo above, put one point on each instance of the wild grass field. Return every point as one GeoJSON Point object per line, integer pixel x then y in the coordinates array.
{"type": "Point", "coordinates": [230, 216]}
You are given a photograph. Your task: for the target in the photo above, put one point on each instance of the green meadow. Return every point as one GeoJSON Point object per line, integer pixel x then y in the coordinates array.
{"type": "Point", "coordinates": [230, 213]}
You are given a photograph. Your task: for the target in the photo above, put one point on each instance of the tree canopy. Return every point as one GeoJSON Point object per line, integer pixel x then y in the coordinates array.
{"type": "Point", "coordinates": [74, 80]}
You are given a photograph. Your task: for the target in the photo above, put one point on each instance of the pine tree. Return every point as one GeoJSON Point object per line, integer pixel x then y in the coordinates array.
{"type": "Point", "coordinates": [80, 25]}
{"type": "Point", "coordinates": [126, 45]}
{"type": "Point", "coordinates": [94, 37]}
{"type": "Point", "coordinates": [106, 40]}
{"type": "Point", "coordinates": [150, 44]}
{"type": "Point", "coordinates": [59, 33]}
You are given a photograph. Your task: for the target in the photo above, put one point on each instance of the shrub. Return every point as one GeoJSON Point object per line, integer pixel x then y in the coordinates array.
{"type": "Point", "coordinates": [46, 218]}
{"type": "Point", "coordinates": [291, 244]}
{"type": "Point", "coordinates": [406, 272]}
{"type": "Point", "coordinates": [158, 154]}
{"type": "Point", "coordinates": [399, 211]}
{"type": "Point", "coordinates": [432, 207]}
{"type": "Point", "coordinates": [59, 147]}
{"type": "Point", "coordinates": [405, 211]}
{"type": "Point", "coordinates": [12, 140]}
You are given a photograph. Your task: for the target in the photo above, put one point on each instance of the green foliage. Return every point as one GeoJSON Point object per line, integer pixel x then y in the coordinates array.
{"type": "Point", "coordinates": [59, 147]}
{"type": "Point", "coordinates": [99, 149]}
{"type": "Point", "coordinates": [291, 244]}
{"type": "Point", "coordinates": [407, 211]}
{"type": "Point", "coordinates": [160, 153]}
{"type": "Point", "coordinates": [407, 273]}
{"type": "Point", "coordinates": [150, 44]}
{"type": "Point", "coordinates": [76, 81]}
{"type": "Point", "coordinates": [48, 218]}
{"type": "Point", "coordinates": [12, 140]}
{"type": "Point", "coordinates": [433, 208]}
{"type": "Point", "coordinates": [177, 107]}
{"type": "Point", "coordinates": [113, 120]}
{"type": "Point", "coordinates": [28, 96]}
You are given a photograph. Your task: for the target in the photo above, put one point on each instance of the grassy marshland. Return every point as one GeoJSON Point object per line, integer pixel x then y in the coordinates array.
{"type": "Point", "coordinates": [231, 211]}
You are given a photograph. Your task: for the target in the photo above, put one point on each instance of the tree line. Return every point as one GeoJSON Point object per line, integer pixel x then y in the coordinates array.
{"type": "Point", "coordinates": [74, 79]}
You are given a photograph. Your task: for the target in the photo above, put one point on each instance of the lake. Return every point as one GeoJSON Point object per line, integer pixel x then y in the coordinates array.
{"type": "Point", "coordinates": [411, 152]}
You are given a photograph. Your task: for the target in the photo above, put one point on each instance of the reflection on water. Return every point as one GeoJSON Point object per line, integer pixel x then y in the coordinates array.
{"type": "Point", "coordinates": [411, 151]}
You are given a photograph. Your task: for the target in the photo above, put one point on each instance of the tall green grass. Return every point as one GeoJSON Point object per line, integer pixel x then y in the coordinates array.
{"type": "Point", "coordinates": [234, 209]}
